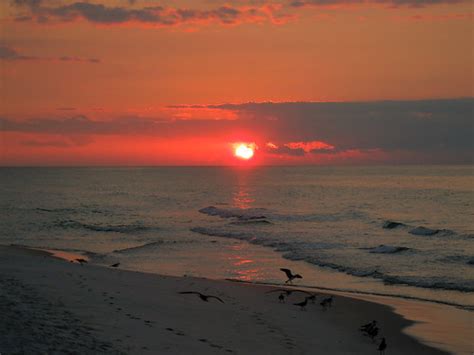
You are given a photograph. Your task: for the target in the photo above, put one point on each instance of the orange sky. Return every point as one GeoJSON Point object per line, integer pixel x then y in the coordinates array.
{"type": "Point", "coordinates": [110, 60]}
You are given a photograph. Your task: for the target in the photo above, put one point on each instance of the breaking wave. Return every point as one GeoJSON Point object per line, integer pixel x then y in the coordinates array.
{"type": "Point", "coordinates": [295, 250]}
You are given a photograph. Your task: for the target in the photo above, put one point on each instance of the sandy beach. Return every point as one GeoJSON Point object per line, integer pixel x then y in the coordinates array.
{"type": "Point", "coordinates": [50, 305]}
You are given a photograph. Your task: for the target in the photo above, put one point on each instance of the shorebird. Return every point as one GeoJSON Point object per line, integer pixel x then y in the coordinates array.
{"type": "Point", "coordinates": [368, 326]}
{"type": "Point", "coordinates": [327, 302]}
{"type": "Point", "coordinates": [290, 275]}
{"type": "Point", "coordinates": [303, 304]}
{"type": "Point", "coordinates": [115, 265]}
{"type": "Point", "coordinates": [281, 298]}
{"type": "Point", "coordinates": [81, 261]}
{"type": "Point", "coordinates": [205, 298]}
{"type": "Point", "coordinates": [288, 292]}
{"type": "Point", "coordinates": [373, 332]}
{"type": "Point", "coordinates": [382, 346]}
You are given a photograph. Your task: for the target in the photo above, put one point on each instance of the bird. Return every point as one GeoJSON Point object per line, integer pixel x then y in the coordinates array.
{"type": "Point", "coordinates": [303, 304]}
{"type": "Point", "coordinates": [205, 298]}
{"type": "Point", "coordinates": [312, 298]}
{"type": "Point", "coordinates": [368, 326]}
{"type": "Point", "coordinates": [372, 333]}
{"type": "Point", "coordinates": [290, 275]}
{"type": "Point", "coordinates": [382, 346]}
{"type": "Point", "coordinates": [281, 298]}
{"type": "Point", "coordinates": [288, 292]}
{"type": "Point", "coordinates": [115, 265]}
{"type": "Point", "coordinates": [81, 261]}
{"type": "Point", "coordinates": [327, 302]}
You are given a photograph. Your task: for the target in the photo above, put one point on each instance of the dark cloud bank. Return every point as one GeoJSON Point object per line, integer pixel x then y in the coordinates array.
{"type": "Point", "coordinates": [440, 131]}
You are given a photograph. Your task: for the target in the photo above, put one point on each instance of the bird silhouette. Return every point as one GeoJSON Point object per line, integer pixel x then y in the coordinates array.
{"type": "Point", "coordinates": [372, 333]}
{"type": "Point", "coordinates": [290, 275]}
{"type": "Point", "coordinates": [368, 326]}
{"type": "Point", "coordinates": [327, 302]}
{"type": "Point", "coordinates": [205, 298]}
{"type": "Point", "coordinates": [382, 346]}
{"type": "Point", "coordinates": [115, 265]}
{"type": "Point", "coordinates": [288, 292]}
{"type": "Point", "coordinates": [281, 298]}
{"type": "Point", "coordinates": [81, 261]}
{"type": "Point", "coordinates": [303, 304]}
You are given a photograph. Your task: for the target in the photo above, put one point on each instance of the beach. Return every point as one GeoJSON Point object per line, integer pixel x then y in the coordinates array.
{"type": "Point", "coordinates": [51, 305]}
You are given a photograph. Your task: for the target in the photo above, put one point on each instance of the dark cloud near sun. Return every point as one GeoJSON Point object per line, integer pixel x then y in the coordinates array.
{"type": "Point", "coordinates": [440, 130]}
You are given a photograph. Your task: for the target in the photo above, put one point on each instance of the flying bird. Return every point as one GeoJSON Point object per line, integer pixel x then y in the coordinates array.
{"type": "Point", "coordinates": [115, 265]}
{"type": "Point", "coordinates": [290, 275]}
{"type": "Point", "coordinates": [382, 346]}
{"type": "Point", "coordinates": [205, 298]}
{"type": "Point", "coordinates": [81, 261]}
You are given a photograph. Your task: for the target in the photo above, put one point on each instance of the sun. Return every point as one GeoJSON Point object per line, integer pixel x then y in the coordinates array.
{"type": "Point", "coordinates": [244, 150]}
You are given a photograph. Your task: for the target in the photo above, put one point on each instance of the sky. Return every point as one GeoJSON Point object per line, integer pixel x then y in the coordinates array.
{"type": "Point", "coordinates": [157, 82]}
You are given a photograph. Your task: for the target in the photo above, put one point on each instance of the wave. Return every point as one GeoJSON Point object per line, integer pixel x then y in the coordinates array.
{"type": "Point", "coordinates": [298, 251]}
{"type": "Point", "coordinates": [393, 225]}
{"type": "Point", "coordinates": [247, 214]}
{"type": "Point", "coordinates": [118, 228]}
{"type": "Point", "coordinates": [240, 213]}
{"type": "Point", "coordinates": [422, 230]}
{"type": "Point", "coordinates": [139, 247]}
{"type": "Point", "coordinates": [387, 249]}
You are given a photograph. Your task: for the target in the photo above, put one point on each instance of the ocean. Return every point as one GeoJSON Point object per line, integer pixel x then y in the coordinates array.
{"type": "Point", "coordinates": [405, 231]}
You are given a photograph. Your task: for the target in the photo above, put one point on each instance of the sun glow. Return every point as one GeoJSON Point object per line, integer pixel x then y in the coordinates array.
{"type": "Point", "coordinates": [244, 150]}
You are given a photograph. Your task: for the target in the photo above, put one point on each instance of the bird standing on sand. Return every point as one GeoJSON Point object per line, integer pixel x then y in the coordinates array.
{"type": "Point", "coordinates": [205, 298]}
{"type": "Point", "coordinates": [81, 261]}
{"type": "Point", "coordinates": [115, 265]}
{"type": "Point", "coordinates": [290, 275]}
{"type": "Point", "coordinates": [368, 326]}
{"type": "Point", "coordinates": [303, 304]}
{"type": "Point", "coordinates": [382, 346]}
{"type": "Point", "coordinates": [327, 302]}
{"type": "Point", "coordinates": [372, 333]}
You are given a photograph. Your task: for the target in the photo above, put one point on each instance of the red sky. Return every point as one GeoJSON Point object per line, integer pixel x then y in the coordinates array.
{"type": "Point", "coordinates": [140, 82]}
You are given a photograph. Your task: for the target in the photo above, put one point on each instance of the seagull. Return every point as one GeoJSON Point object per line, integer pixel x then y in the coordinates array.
{"type": "Point", "coordinates": [115, 265]}
{"type": "Point", "coordinates": [368, 326]}
{"type": "Point", "coordinates": [327, 302]}
{"type": "Point", "coordinates": [290, 275]}
{"type": "Point", "coordinates": [205, 298]}
{"type": "Point", "coordinates": [382, 346]}
{"type": "Point", "coordinates": [302, 304]}
{"type": "Point", "coordinates": [81, 261]}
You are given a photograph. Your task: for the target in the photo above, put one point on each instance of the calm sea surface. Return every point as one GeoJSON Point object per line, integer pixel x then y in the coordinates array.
{"type": "Point", "coordinates": [404, 231]}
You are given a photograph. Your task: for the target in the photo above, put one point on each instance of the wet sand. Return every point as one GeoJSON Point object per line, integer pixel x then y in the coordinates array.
{"type": "Point", "coordinates": [51, 305]}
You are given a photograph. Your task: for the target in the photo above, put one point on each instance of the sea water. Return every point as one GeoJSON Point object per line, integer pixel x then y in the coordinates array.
{"type": "Point", "coordinates": [398, 230]}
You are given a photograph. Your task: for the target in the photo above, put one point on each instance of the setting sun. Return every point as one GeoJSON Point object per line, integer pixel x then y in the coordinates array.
{"type": "Point", "coordinates": [244, 150]}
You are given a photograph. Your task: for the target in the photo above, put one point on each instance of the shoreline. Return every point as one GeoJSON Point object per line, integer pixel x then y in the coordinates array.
{"type": "Point", "coordinates": [120, 303]}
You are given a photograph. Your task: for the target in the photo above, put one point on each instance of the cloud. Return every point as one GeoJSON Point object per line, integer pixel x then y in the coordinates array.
{"type": "Point", "coordinates": [156, 16]}
{"type": "Point", "coordinates": [10, 54]}
{"type": "Point", "coordinates": [434, 131]}
{"type": "Point", "coordinates": [391, 3]}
